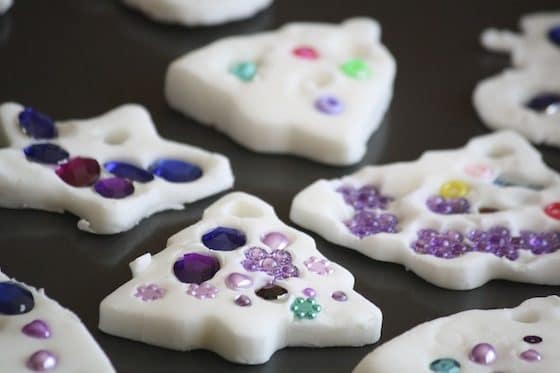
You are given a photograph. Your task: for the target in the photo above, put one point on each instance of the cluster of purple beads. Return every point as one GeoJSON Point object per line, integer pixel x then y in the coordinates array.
{"type": "Point", "coordinates": [497, 240]}
{"type": "Point", "coordinates": [277, 263]}
{"type": "Point", "coordinates": [366, 221]}
{"type": "Point", "coordinates": [448, 206]}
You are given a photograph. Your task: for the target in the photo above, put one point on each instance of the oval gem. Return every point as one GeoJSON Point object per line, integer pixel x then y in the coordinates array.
{"type": "Point", "coordinates": [175, 171]}
{"type": "Point", "coordinates": [454, 189]}
{"type": "Point", "coordinates": [329, 105]}
{"type": "Point", "coordinates": [554, 35]}
{"type": "Point", "coordinates": [224, 239]}
{"type": "Point", "coordinates": [128, 171]}
{"type": "Point", "coordinates": [245, 71]}
{"type": "Point", "coordinates": [114, 187]}
{"type": "Point", "coordinates": [15, 299]}
{"type": "Point", "coordinates": [356, 68]}
{"type": "Point", "coordinates": [306, 52]}
{"type": "Point", "coordinates": [79, 171]}
{"type": "Point", "coordinates": [445, 365]}
{"type": "Point", "coordinates": [36, 124]}
{"type": "Point", "coordinates": [553, 210]}
{"type": "Point", "coordinates": [546, 103]}
{"type": "Point", "coordinates": [45, 153]}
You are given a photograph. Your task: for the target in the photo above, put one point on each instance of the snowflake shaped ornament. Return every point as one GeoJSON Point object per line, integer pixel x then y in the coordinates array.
{"type": "Point", "coordinates": [242, 275]}
{"type": "Point", "coordinates": [507, 224]}
{"type": "Point", "coordinates": [40, 335]}
{"type": "Point", "coordinates": [521, 339]}
{"type": "Point", "coordinates": [315, 90]}
{"type": "Point", "coordinates": [111, 171]}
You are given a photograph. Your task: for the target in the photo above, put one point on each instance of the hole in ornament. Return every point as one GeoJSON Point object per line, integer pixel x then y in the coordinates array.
{"type": "Point", "coordinates": [272, 292]}
{"type": "Point", "coordinates": [116, 137]}
{"type": "Point", "coordinates": [526, 317]}
{"type": "Point", "coordinates": [500, 152]}
{"type": "Point", "coordinates": [195, 268]}
{"type": "Point", "coordinates": [245, 210]}
{"type": "Point", "coordinates": [318, 80]}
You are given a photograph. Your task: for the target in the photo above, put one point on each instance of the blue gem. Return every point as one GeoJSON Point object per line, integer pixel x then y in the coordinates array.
{"type": "Point", "coordinates": [554, 35]}
{"type": "Point", "coordinates": [36, 124]}
{"type": "Point", "coordinates": [175, 171]}
{"type": "Point", "coordinates": [45, 153]}
{"type": "Point", "coordinates": [548, 103]}
{"type": "Point", "coordinates": [224, 239]}
{"type": "Point", "coordinates": [245, 71]}
{"type": "Point", "coordinates": [128, 171]}
{"type": "Point", "coordinates": [445, 366]}
{"type": "Point", "coordinates": [15, 299]}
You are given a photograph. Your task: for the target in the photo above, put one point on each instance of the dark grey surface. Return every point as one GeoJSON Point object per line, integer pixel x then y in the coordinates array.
{"type": "Point", "coordinates": [80, 58]}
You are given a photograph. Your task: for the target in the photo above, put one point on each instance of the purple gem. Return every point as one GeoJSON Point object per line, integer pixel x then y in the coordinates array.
{"type": "Point", "coordinates": [531, 355]}
{"type": "Point", "coordinates": [329, 105]}
{"type": "Point", "coordinates": [366, 197]}
{"type": "Point", "coordinates": [175, 171]}
{"type": "Point", "coordinates": [483, 353]}
{"type": "Point", "coordinates": [128, 171]}
{"type": "Point", "coordinates": [277, 263]}
{"type": "Point", "coordinates": [243, 301]}
{"type": "Point", "coordinates": [36, 124]}
{"type": "Point", "coordinates": [309, 292]}
{"type": "Point", "coordinates": [547, 103]}
{"type": "Point", "coordinates": [271, 292]}
{"type": "Point", "coordinates": [224, 239]}
{"type": "Point", "coordinates": [196, 268]}
{"type": "Point", "coordinates": [532, 339]}
{"type": "Point", "coordinates": [448, 206]}
{"type": "Point", "coordinates": [367, 223]}
{"type": "Point", "coordinates": [114, 187]}
{"type": "Point", "coordinates": [45, 153]}
{"type": "Point", "coordinates": [37, 329]}
{"type": "Point", "coordinates": [42, 361]}
{"type": "Point", "coordinates": [236, 281]}
{"type": "Point", "coordinates": [276, 240]}
{"type": "Point", "coordinates": [339, 296]}
{"type": "Point", "coordinates": [554, 35]}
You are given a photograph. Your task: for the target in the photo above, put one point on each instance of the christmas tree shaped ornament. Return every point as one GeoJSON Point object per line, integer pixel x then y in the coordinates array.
{"type": "Point", "coordinates": [457, 218]}
{"type": "Point", "coordinates": [314, 90]}
{"type": "Point", "coordinates": [111, 171]}
{"type": "Point", "coordinates": [198, 13]}
{"type": "Point", "coordinates": [250, 284]}
{"type": "Point", "coordinates": [39, 335]}
{"type": "Point", "coordinates": [522, 340]}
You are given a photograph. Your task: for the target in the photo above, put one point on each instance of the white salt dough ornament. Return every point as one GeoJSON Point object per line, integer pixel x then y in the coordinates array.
{"type": "Point", "coordinates": [111, 171]}
{"type": "Point", "coordinates": [522, 340]}
{"type": "Point", "coordinates": [525, 99]}
{"type": "Point", "coordinates": [37, 334]}
{"type": "Point", "coordinates": [199, 12]}
{"type": "Point", "coordinates": [315, 90]}
{"type": "Point", "coordinates": [251, 285]}
{"type": "Point", "coordinates": [5, 5]}
{"type": "Point", "coordinates": [457, 218]}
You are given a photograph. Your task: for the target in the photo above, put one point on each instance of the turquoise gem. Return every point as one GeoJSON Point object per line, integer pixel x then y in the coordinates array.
{"type": "Point", "coordinates": [445, 365]}
{"type": "Point", "coordinates": [245, 71]}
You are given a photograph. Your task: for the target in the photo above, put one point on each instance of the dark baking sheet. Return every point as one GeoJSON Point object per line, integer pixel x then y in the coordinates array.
{"type": "Point", "coordinates": [80, 58]}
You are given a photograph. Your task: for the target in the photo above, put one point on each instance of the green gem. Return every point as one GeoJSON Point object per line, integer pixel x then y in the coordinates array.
{"type": "Point", "coordinates": [356, 68]}
{"type": "Point", "coordinates": [305, 308]}
{"type": "Point", "coordinates": [245, 71]}
{"type": "Point", "coordinates": [445, 366]}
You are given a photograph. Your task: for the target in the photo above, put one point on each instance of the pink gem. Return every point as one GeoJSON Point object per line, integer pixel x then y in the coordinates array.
{"type": "Point", "coordinates": [236, 281]}
{"type": "Point", "coordinates": [79, 172]}
{"type": "Point", "coordinates": [319, 266]}
{"type": "Point", "coordinates": [150, 292]}
{"type": "Point", "coordinates": [37, 329]}
{"type": "Point", "coordinates": [483, 353]}
{"type": "Point", "coordinates": [339, 296]}
{"type": "Point", "coordinates": [309, 292]}
{"type": "Point", "coordinates": [479, 171]}
{"type": "Point", "coordinates": [243, 301]}
{"type": "Point", "coordinates": [306, 52]}
{"type": "Point", "coordinates": [42, 361]}
{"type": "Point", "coordinates": [531, 355]}
{"type": "Point", "coordinates": [276, 240]}
{"type": "Point", "coordinates": [203, 291]}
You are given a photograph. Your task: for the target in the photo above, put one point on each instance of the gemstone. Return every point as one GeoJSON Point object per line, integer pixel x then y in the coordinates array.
{"type": "Point", "coordinates": [479, 171]}
{"type": "Point", "coordinates": [319, 266]}
{"type": "Point", "coordinates": [546, 103]}
{"type": "Point", "coordinates": [553, 210]}
{"type": "Point", "coordinates": [445, 365]}
{"type": "Point", "coordinates": [45, 153]}
{"type": "Point", "coordinates": [366, 197]}
{"type": "Point", "coordinates": [236, 281]}
{"type": "Point", "coordinates": [487, 210]}
{"type": "Point", "coordinates": [114, 187]}
{"type": "Point", "coordinates": [245, 71]}
{"type": "Point", "coordinates": [329, 105]}
{"type": "Point", "coordinates": [339, 296]}
{"type": "Point", "coordinates": [447, 245]}
{"type": "Point", "coordinates": [203, 291]}
{"type": "Point", "coordinates": [367, 223]}
{"type": "Point", "coordinates": [533, 339]}
{"type": "Point", "coordinates": [79, 172]}
{"type": "Point", "coordinates": [531, 355]}
{"type": "Point", "coordinates": [36, 124]}
{"type": "Point", "coordinates": [305, 52]}
{"type": "Point", "coordinates": [128, 171]}
{"type": "Point", "coordinates": [356, 68]}
{"type": "Point", "coordinates": [175, 171]}
{"type": "Point", "coordinates": [277, 263]}
{"type": "Point", "coordinates": [305, 308]}
{"type": "Point", "coordinates": [150, 292]}
{"type": "Point", "coordinates": [554, 35]}
{"type": "Point", "coordinates": [15, 299]}
{"type": "Point", "coordinates": [454, 189]}
{"type": "Point", "coordinates": [224, 239]}
{"type": "Point", "coordinates": [309, 292]}
{"type": "Point", "coordinates": [276, 240]}
{"type": "Point", "coordinates": [483, 353]}
{"type": "Point", "coordinates": [243, 300]}
{"type": "Point", "coordinates": [271, 292]}
{"type": "Point", "coordinates": [37, 329]}
{"type": "Point", "coordinates": [42, 361]}
{"type": "Point", "coordinates": [448, 206]}
{"type": "Point", "coordinates": [196, 268]}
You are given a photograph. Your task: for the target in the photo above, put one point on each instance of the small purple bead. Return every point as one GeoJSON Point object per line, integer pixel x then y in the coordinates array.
{"type": "Point", "coordinates": [531, 355]}
{"type": "Point", "coordinates": [114, 187]}
{"type": "Point", "coordinates": [243, 301]}
{"type": "Point", "coordinates": [236, 281]}
{"type": "Point", "coordinates": [339, 296]}
{"type": "Point", "coordinates": [37, 329]}
{"type": "Point", "coordinates": [276, 240]}
{"type": "Point", "coordinates": [532, 339]}
{"type": "Point", "coordinates": [42, 361]}
{"type": "Point", "coordinates": [309, 292]}
{"type": "Point", "coordinates": [483, 353]}
{"type": "Point", "coordinates": [329, 105]}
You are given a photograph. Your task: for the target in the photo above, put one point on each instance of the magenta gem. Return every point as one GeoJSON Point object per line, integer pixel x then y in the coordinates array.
{"type": "Point", "coordinates": [236, 281]}
{"type": "Point", "coordinates": [276, 240]}
{"type": "Point", "coordinates": [531, 355]}
{"type": "Point", "coordinates": [483, 353]}
{"type": "Point", "coordinates": [37, 329]}
{"type": "Point", "coordinates": [309, 292]}
{"type": "Point", "coordinates": [114, 187]}
{"type": "Point", "coordinates": [532, 339]}
{"type": "Point", "coordinates": [243, 301]}
{"type": "Point", "coordinates": [306, 52]}
{"type": "Point", "coordinates": [339, 296]}
{"type": "Point", "coordinates": [79, 172]}
{"type": "Point", "coordinates": [196, 268]}
{"type": "Point", "coordinates": [42, 361]}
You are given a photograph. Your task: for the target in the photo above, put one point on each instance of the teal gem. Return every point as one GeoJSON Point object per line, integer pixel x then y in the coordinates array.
{"type": "Point", "coordinates": [445, 365]}
{"type": "Point", "coordinates": [245, 71]}
{"type": "Point", "coordinates": [305, 308]}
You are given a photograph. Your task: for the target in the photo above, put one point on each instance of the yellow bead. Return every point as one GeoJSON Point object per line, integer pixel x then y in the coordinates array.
{"type": "Point", "coordinates": [454, 189]}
